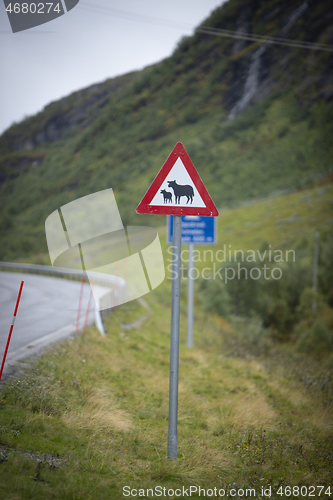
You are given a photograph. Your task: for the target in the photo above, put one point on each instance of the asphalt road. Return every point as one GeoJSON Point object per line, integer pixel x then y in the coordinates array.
{"type": "Point", "coordinates": [47, 313]}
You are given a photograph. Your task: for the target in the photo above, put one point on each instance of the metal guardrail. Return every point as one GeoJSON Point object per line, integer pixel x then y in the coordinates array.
{"type": "Point", "coordinates": [113, 295]}
{"type": "Point", "coordinates": [40, 269]}
{"type": "Point", "coordinates": [63, 272]}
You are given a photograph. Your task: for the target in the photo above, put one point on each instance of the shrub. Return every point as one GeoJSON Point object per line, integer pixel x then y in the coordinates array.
{"type": "Point", "coordinates": [304, 310]}
{"type": "Point", "coordinates": [214, 297]}
{"type": "Point", "coordinates": [317, 340]}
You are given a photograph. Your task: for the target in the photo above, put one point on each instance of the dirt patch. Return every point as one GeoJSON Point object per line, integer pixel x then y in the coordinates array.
{"type": "Point", "coordinates": [46, 458]}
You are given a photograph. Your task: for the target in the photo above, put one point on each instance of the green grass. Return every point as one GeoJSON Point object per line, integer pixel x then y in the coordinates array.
{"type": "Point", "coordinates": [252, 412]}
{"type": "Point", "coordinates": [101, 404]}
{"type": "Point", "coordinates": [280, 221]}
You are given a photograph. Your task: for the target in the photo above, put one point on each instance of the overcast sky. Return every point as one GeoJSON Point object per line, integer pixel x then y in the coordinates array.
{"type": "Point", "coordinates": [94, 41]}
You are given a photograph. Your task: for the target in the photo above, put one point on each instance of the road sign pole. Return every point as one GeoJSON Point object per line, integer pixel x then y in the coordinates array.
{"type": "Point", "coordinates": [190, 296]}
{"type": "Point", "coordinates": [174, 338]}
{"type": "Point", "coordinates": [188, 197]}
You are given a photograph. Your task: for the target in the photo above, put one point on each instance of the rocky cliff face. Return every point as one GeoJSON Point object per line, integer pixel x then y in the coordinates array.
{"type": "Point", "coordinates": [242, 71]}
{"type": "Point", "coordinates": [271, 67]}
{"type": "Point", "coordinates": [23, 145]}
{"type": "Point", "coordinates": [62, 118]}
{"type": "Point", "coordinates": [255, 116]}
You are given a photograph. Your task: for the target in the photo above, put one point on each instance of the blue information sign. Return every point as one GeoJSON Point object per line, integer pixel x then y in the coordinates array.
{"type": "Point", "coordinates": [195, 229]}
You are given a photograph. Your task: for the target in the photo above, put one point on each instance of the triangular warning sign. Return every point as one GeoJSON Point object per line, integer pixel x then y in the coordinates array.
{"type": "Point", "coordinates": [177, 189]}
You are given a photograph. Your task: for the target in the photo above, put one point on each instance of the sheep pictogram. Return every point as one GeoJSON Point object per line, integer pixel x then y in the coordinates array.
{"type": "Point", "coordinates": [180, 190]}
{"type": "Point", "coordinates": [166, 196]}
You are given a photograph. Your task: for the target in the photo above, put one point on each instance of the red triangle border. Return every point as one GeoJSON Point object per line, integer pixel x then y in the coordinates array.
{"type": "Point", "coordinates": [144, 206]}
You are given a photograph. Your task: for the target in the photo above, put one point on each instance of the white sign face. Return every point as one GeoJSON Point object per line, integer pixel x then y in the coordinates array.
{"type": "Point", "coordinates": [178, 189]}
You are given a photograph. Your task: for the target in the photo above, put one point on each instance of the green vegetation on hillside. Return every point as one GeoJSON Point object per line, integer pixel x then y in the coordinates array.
{"type": "Point", "coordinates": [256, 393]}
{"type": "Point", "coordinates": [92, 416]}
{"type": "Point", "coordinates": [237, 160]}
{"type": "Point", "coordinates": [119, 133]}
{"type": "Point", "coordinates": [265, 261]}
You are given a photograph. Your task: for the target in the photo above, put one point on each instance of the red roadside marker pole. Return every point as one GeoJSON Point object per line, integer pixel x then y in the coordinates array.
{"type": "Point", "coordinates": [11, 329]}
{"type": "Point", "coordinates": [79, 309]}
{"type": "Point", "coordinates": [115, 302]}
{"type": "Point", "coordinates": [88, 309]}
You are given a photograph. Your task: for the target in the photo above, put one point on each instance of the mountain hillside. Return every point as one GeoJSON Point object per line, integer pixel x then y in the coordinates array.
{"type": "Point", "coordinates": [256, 119]}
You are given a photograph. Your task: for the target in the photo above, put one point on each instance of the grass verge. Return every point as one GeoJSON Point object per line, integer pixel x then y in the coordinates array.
{"type": "Point", "coordinates": [92, 416]}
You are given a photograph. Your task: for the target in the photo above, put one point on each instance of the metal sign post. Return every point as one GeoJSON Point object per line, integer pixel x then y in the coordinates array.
{"type": "Point", "coordinates": [190, 296]}
{"type": "Point", "coordinates": [199, 230]}
{"type": "Point", "coordinates": [174, 339]}
{"type": "Point", "coordinates": [176, 190]}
